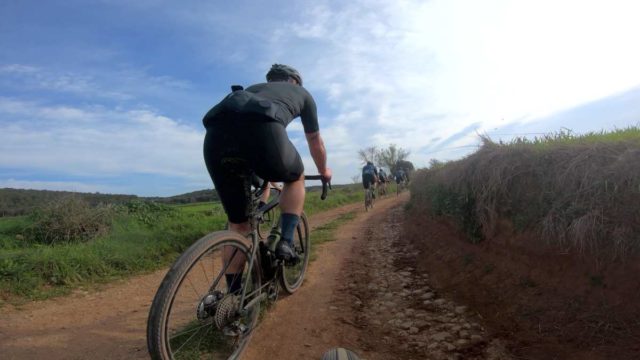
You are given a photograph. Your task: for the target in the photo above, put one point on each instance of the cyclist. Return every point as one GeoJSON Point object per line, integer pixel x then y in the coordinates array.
{"type": "Point", "coordinates": [369, 176]}
{"type": "Point", "coordinates": [245, 133]}
{"type": "Point", "coordinates": [401, 177]}
{"type": "Point", "coordinates": [382, 176]}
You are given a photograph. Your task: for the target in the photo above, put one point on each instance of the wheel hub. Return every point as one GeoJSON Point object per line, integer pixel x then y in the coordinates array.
{"type": "Point", "coordinates": [208, 305]}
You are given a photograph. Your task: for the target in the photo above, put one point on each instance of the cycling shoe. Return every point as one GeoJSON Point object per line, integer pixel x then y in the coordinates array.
{"type": "Point", "coordinates": [285, 252]}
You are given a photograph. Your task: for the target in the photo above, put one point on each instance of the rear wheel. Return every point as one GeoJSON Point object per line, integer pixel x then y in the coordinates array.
{"type": "Point", "coordinates": [292, 276]}
{"type": "Point", "coordinates": [340, 354]}
{"type": "Point", "coordinates": [194, 315]}
{"type": "Point", "coordinates": [366, 200]}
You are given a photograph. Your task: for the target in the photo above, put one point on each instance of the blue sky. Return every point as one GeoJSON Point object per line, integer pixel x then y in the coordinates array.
{"type": "Point", "coordinates": [109, 95]}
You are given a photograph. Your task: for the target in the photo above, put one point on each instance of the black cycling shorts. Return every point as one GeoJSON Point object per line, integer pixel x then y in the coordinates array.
{"type": "Point", "coordinates": [367, 180]}
{"type": "Point", "coordinates": [241, 144]}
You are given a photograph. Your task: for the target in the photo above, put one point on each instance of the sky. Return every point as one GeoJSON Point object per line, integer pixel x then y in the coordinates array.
{"type": "Point", "coordinates": [108, 95]}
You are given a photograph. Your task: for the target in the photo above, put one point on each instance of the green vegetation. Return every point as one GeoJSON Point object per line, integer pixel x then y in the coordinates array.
{"type": "Point", "coordinates": [575, 192]}
{"type": "Point", "coordinates": [563, 138]}
{"type": "Point", "coordinates": [138, 237]}
{"type": "Point", "coordinates": [16, 202]}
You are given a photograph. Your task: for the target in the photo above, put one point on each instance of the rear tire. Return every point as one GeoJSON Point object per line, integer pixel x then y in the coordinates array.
{"type": "Point", "coordinates": [182, 324]}
{"type": "Point", "coordinates": [340, 354]}
{"type": "Point", "coordinates": [367, 200]}
{"type": "Point", "coordinates": [291, 277]}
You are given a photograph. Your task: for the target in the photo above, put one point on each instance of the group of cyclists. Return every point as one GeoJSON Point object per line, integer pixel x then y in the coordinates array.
{"type": "Point", "coordinates": [375, 177]}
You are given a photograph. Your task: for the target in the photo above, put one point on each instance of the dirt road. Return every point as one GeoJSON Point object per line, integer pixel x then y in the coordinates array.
{"type": "Point", "coordinates": [362, 293]}
{"type": "Point", "coordinates": [107, 324]}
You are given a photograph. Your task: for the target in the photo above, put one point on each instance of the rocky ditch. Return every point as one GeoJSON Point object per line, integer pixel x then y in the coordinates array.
{"type": "Point", "coordinates": [399, 311]}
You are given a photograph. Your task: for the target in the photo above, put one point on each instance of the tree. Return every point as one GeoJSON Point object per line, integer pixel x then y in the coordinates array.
{"type": "Point", "coordinates": [405, 165]}
{"type": "Point", "coordinates": [368, 154]}
{"type": "Point", "coordinates": [392, 155]}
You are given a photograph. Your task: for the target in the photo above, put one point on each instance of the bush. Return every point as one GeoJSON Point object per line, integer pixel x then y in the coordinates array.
{"type": "Point", "coordinates": [148, 212]}
{"type": "Point", "coordinates": [68, 220]}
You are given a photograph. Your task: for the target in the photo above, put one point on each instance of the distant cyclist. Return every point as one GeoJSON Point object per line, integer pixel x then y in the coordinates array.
{"type": "Point", "coordinates": [369, 175]}
{"type": "Point", "coordinates": [382, 175]}
{"type": "Point", "coordinates": [382, 181]}
{"type": "Point", "coordinates": [245, 133]}
{"type": "Point", "coordinates": [401, 176]}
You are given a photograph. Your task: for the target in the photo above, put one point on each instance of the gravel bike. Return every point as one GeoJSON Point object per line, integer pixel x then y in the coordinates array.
{"type": "Point", "coordinates": [195, 314]}
{"type": "Point", "coordinates": [382, 188]}
{"type": "Point", "coordinates": [368, 198]}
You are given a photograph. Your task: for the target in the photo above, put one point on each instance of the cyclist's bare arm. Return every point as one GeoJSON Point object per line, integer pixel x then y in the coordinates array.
{"type": "Point", "coordinates": [318, 153]}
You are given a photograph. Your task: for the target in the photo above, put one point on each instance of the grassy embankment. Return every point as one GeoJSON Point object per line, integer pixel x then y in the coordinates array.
{"type": "Point", "coordinates": [136, 240]}
{"type": "Point", "coordinates": [578, 193]}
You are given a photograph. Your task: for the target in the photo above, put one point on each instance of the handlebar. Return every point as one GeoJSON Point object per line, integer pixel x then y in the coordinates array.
{"type": "Point", "coordinates": [325, 184]}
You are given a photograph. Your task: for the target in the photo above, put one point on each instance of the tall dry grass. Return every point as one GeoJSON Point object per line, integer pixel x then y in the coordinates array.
{"type": "Point", "coordinates": [581, 193]}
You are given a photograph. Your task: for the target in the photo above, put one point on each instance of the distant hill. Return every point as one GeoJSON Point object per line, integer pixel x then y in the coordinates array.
{"type": "Point", "coordinates": [15, 202]}
{"type": "Point", "coordinates": [188, 198]}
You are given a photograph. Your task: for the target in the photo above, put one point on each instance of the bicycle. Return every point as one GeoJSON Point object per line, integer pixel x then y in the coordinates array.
{"type": "Point", "coordinates": [382, 188]}
{"type": "Point", "coordinates": [194, 314]}
{"type": "Point", "coordinates": [269, 214]}
{"type": "Point", "coordinates": [368, 198]}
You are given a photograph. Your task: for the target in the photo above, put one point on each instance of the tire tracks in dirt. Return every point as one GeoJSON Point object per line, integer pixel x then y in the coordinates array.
{"type": "Point", "coordinates": [306, 324]}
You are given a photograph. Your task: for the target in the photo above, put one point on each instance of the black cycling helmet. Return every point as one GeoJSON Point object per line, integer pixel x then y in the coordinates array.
{"type": "Point", "coordinates": [280, 72]}
{"type": "Point", "coordinates": [369, 163]}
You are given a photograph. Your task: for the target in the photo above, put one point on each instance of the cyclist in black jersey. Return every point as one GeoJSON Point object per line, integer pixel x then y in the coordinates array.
{"type": "Point", "coordinates": [245, 133]}
{"type": "Point", "coordinates": [369, 175]}
{"type": "Point", "coordinates": [382, 175]}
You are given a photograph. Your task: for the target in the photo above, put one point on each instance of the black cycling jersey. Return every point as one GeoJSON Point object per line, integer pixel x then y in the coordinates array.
{"type": "Point", "coordinates": [279, 101]}
{"type": "Point", "coordinates": [370, 169]}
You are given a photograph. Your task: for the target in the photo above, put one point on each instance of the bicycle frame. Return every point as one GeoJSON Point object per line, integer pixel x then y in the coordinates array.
{"type": "Point", "coordinates": [254, 217]}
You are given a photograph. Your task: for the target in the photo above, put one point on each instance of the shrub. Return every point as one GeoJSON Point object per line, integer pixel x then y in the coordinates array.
{"type": "Point", "coordinates": [148, 212]}
{"type": "Point", "coordinates": [70, 219]}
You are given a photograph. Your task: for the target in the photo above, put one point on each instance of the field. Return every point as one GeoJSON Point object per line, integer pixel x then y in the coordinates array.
{"type": "Point", "coordinates": [138, 239]}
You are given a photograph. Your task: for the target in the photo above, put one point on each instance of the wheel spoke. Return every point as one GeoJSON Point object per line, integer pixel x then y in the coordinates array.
{"type": "Point", "coordinates": [189, 313]}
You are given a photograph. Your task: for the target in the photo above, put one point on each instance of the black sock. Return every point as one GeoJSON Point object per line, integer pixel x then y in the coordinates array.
{"type": "Point", "coordinates": [234, 282]}
{"type": "Point", "coordinates": [289, 224]}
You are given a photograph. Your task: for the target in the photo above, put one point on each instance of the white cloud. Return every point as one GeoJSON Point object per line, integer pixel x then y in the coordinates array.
{"type": "Point", "coordinates": [410, 71]}
{"type": "Point", "coordinates": [97, 141]}
{"type": "Point", "coordinates": [120, 84]}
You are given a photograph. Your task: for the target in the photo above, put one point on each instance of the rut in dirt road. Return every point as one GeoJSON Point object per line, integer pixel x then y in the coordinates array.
{"type": "Point", "coordinates": [397, 313]}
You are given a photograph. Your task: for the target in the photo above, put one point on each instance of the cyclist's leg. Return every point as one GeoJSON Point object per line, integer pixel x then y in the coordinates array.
{"type": "Point", "coordinates": [229, 172]}
{"type": "Point", "coordinates": [276, 159]}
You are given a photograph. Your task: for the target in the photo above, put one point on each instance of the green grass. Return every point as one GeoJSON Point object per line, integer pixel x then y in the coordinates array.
{"type": "Point", "coordinates": [133, 245]}
{"type": "Point", "coordinates": [566, 137]}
